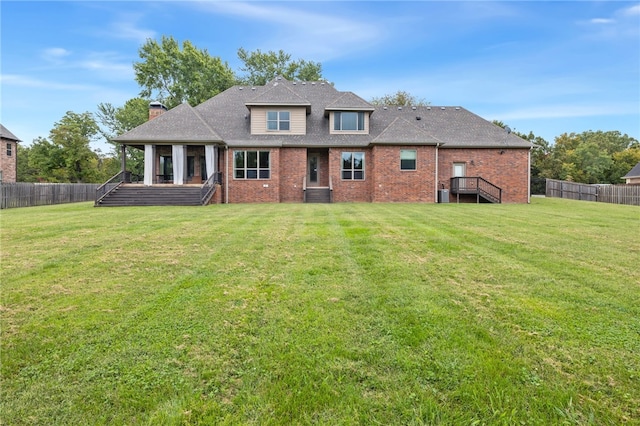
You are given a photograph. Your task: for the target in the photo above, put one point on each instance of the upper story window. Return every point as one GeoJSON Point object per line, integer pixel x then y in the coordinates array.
{"type": "Point", "coordinates": [352, 165]}
{"type": "Point", "coordinates": [407, 159]}
{"type": "Point", "coordinates": [251, 165]}
{"type": "Point", "coordinates": [9, 149]}
{"type": "Point", "coordinates": [348, 121]}
{"type": "Point", "coordinates": [278, 120]}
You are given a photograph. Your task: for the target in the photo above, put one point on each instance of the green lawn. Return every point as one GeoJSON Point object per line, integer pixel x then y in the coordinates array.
{"type": "Point", "coordinates": [321, 314]}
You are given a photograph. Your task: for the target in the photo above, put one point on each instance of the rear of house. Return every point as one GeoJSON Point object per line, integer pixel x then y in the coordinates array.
{"type": "Point", "coordinates": [308, 142]}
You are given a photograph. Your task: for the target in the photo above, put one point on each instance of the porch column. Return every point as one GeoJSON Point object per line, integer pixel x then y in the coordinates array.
{"type": "Point", "coordinates": [149, 164]}
{"type": "Point", "coordinates": [179, 163]}
{"type": "Point", "coordinates": [210, 156]}
{"type": "Point", "coordinates": [123, 153]}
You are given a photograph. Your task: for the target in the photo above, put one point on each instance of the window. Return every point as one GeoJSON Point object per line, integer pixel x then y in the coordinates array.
{"type": "Point", "coordinates": [407, 159]}
{"type": "Point", "coordinates": [346, 121]}
{"type": "Point", "coordinates": [251, 165]}
{"type": "Point", "coordinates": [353, 165]}
{"type": "Point", "coordinates": [166, 168]}
{"type": "Point", "coordinates": [191, 166]}
{"type": "Point", "coordinates": [278, 120]}
{"type": "Point", "coordinates": [9, 149]}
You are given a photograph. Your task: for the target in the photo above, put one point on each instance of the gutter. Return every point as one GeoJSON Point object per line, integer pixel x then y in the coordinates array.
{"type": "Point", "coordinates": [226, 178]}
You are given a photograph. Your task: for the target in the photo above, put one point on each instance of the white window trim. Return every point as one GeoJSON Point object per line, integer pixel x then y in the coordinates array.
{"type": "Point", "coordinates": [278, 120]}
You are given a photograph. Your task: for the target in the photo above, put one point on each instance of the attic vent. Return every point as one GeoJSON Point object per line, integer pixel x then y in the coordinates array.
{"type": "Point", "coordinates": [240, 88]}
{"type": "Point", "coordinates": [278, 78]}
{"type": "Point", "coordinates": [428, 108]}
{"type": "Point", "coordinates": [253, 88]}
{"type": "Point", "coordinates": [385, 108]}
{"type": "Point", "coordinates": [294, 83]}
{"type": "Point", "coordinates": [413, 108]}
{"type": "Point", "coordinates": [313, 83]}
{"type": "Point", "coordinates": [418, 118]}
{"type": "Point", "coordinates": [442, 108]}
{"type": "Point", "coordinates": [322, 84]}
{"type": "Point", "coordinates": [399, 108]}
{"type": "Point", "coordinates": [304, 83]}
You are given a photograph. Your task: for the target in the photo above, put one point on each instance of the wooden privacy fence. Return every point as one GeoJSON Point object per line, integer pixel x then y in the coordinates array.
{"type": "Point", "coordinates": [616, 194]}
{"type": "Point", "coordinates": [40, 194]}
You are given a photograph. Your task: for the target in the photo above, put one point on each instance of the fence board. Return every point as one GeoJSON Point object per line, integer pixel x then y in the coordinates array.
{"type": "Point", "coordinates": [615, 194]}
{"type": "Point", "coordinates": [23, 194]}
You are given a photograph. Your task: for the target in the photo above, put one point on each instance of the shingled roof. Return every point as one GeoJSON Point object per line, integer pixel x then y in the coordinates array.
{"type": "Point", "coordinates": [633, 173]}
{"type": "Point", "coordinates": [224, 118]}
{"type": "Point", "coordinates": [6, 134]}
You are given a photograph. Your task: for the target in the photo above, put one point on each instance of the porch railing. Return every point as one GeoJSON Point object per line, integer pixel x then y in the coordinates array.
{"type": "Point", "coordinates": [478, 186]}
{"type": "Point", "coordinates": [111, 185]}
{"type": "Point", "coordinates": [209, 187]}
{"type": "Point", "coordinates": [330, 190]}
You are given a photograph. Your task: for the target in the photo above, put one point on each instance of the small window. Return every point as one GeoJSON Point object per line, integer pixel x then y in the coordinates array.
{"type": "Point", "coordinates": [9, 149]}
{"type": "Point", "coordinates": [348, 121]}
{"type": "Point", "coordinates": [251, 165]}
{"type": "Point", "coordinates": [278, 120]}
{"type": "Point", "coordinates": [407, 159]}
{"type": "Point", "coordinates": [352, 166]}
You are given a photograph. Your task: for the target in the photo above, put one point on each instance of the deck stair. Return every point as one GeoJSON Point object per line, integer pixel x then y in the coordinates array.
{"type": "Point", "coordinates": [484, 190]}
{"type": "Point", "coordinates": [318, 194]}
{"type": "Point", "coordinates": [156, 195]}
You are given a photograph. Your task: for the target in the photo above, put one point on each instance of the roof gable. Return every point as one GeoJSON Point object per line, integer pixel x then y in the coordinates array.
{"type": "Point", "coordinates": [401, 131]}
{"type": "Point", "coordinates": [349, 101]}
{"type": "Point", "coordinates": [278, 94]}
{"type": "Point", "coordinates": [179, 124]}
{"type": "Point", "coordinates": [633, 173]}
{"type": "Point", "coordinates": [6, 134]}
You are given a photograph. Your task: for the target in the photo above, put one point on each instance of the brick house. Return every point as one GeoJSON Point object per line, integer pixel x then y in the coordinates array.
{"type": "Point", "coordinates": [8, 155]}
{"type": "Point", "coordinates": [291, 141]}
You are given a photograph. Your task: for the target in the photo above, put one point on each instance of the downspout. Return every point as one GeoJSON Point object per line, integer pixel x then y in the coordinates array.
{"type": "Point", "coordinates": [435, 194]}
{"type": "Point", "coordinates": [226, 178]}
{"type": "Point", "coordinates": [529, 176]}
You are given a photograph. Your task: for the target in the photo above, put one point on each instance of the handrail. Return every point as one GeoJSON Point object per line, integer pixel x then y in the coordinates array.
{"type": "Point", "coordinates": [476, 185]}
{"type": "Point", "coordinates": [209, 187]}
{"type": "Point", "coordinates": [103, 190]}
{"type": "Point", "coordinates": [330, 190]}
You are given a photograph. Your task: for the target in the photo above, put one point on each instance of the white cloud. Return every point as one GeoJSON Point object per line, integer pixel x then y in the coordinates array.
{"type": "Point", "coordinates": [602, 21]}
{"type": "Point", "coordinates": [299, 31]}
{"type": "Point", "coordinates": [127, 29]}
{"type": "Point", "coordinates": [24, 81]}
{"type": "Point", "coordinates": [631, 11]}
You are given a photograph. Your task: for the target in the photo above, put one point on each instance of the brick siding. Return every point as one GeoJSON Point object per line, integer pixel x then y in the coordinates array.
{"type": "Point", "coordinates": [8, 164]}
{"type": "Point", "coordinates": [391, 184]}
{"type": "Point", "coordinates": [506, 168]}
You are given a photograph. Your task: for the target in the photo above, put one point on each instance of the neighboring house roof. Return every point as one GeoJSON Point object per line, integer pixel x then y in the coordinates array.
{"type": "Point", "coordinates": [226, 119]}
{"type": "Point", "coordinates": [6, 134]}
{"type": "Point", "coordinates": [633, 173]}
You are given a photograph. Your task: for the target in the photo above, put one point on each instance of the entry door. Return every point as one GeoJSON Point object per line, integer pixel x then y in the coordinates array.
{"type": "Point", "coordinates": [312, 170]}
{"type": "Point", "coordinates": [459, 169]}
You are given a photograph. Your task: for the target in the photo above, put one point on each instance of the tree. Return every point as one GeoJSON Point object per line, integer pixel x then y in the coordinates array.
{"type": "Point", "coordinates": [173, 75]}
{"type": "Point", "coordinates": [72, 134]}
{"type": "Point", "coordinates": [400, 98]}
{"type": "Point", "coordinates": [260, 67]}
{"type": "Point", "coordinates": [118, 120]}
{"type": "Point", "coordinates": [25, 171]}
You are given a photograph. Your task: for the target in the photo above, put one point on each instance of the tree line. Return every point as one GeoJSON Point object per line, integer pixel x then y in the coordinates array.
{"type": "Point", "coordinates": [173, 73]}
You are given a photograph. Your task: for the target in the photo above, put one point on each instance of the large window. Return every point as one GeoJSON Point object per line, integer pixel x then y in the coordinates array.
{"type": "Point", "coordinates": [251, 165]}
{"type": "Point", "coordinates": [345, 121]}
{"type": "Point", "coordinates": [407, 159]}
{"type": "Point", "coordinates": [353, 165]}
{"type": "Point", "coordinates": [278, 120]}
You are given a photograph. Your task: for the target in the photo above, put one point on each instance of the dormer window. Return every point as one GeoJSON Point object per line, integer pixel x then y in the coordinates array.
{"type": "Point", "coordinates": [348, 121]}
{"type": "Point", "coordinates": [278, 120]}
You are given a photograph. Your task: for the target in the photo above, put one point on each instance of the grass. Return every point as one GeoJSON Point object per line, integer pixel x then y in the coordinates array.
{"type": "Point", "coordinates": [321, 314]}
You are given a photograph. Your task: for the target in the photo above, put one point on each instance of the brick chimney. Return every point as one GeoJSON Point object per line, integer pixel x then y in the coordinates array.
{"type": "Point", "coordinates": [156, 109]}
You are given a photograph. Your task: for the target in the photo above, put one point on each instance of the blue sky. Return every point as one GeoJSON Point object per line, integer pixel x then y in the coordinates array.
{"type": "Point", "coordinates": [544, 66]}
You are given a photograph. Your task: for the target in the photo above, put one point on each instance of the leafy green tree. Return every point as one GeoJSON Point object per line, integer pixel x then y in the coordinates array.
{"type": "Point", "coordinates": [172, 75]}
{"type": "Point", "coordinates": [46, 161]}
{"type": "Point", "coordinates": [400, 98]}
{"type": "Point", "coordinates": [25, 171]}
{"type": "Point", "coordinates": [118, 120]}
{"type": "Point", "coordinates": [261, 67]}
{"type": "Point", "coordinates": [72, 134]}
{"type": "Point", "coordinates": [623, 162]}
